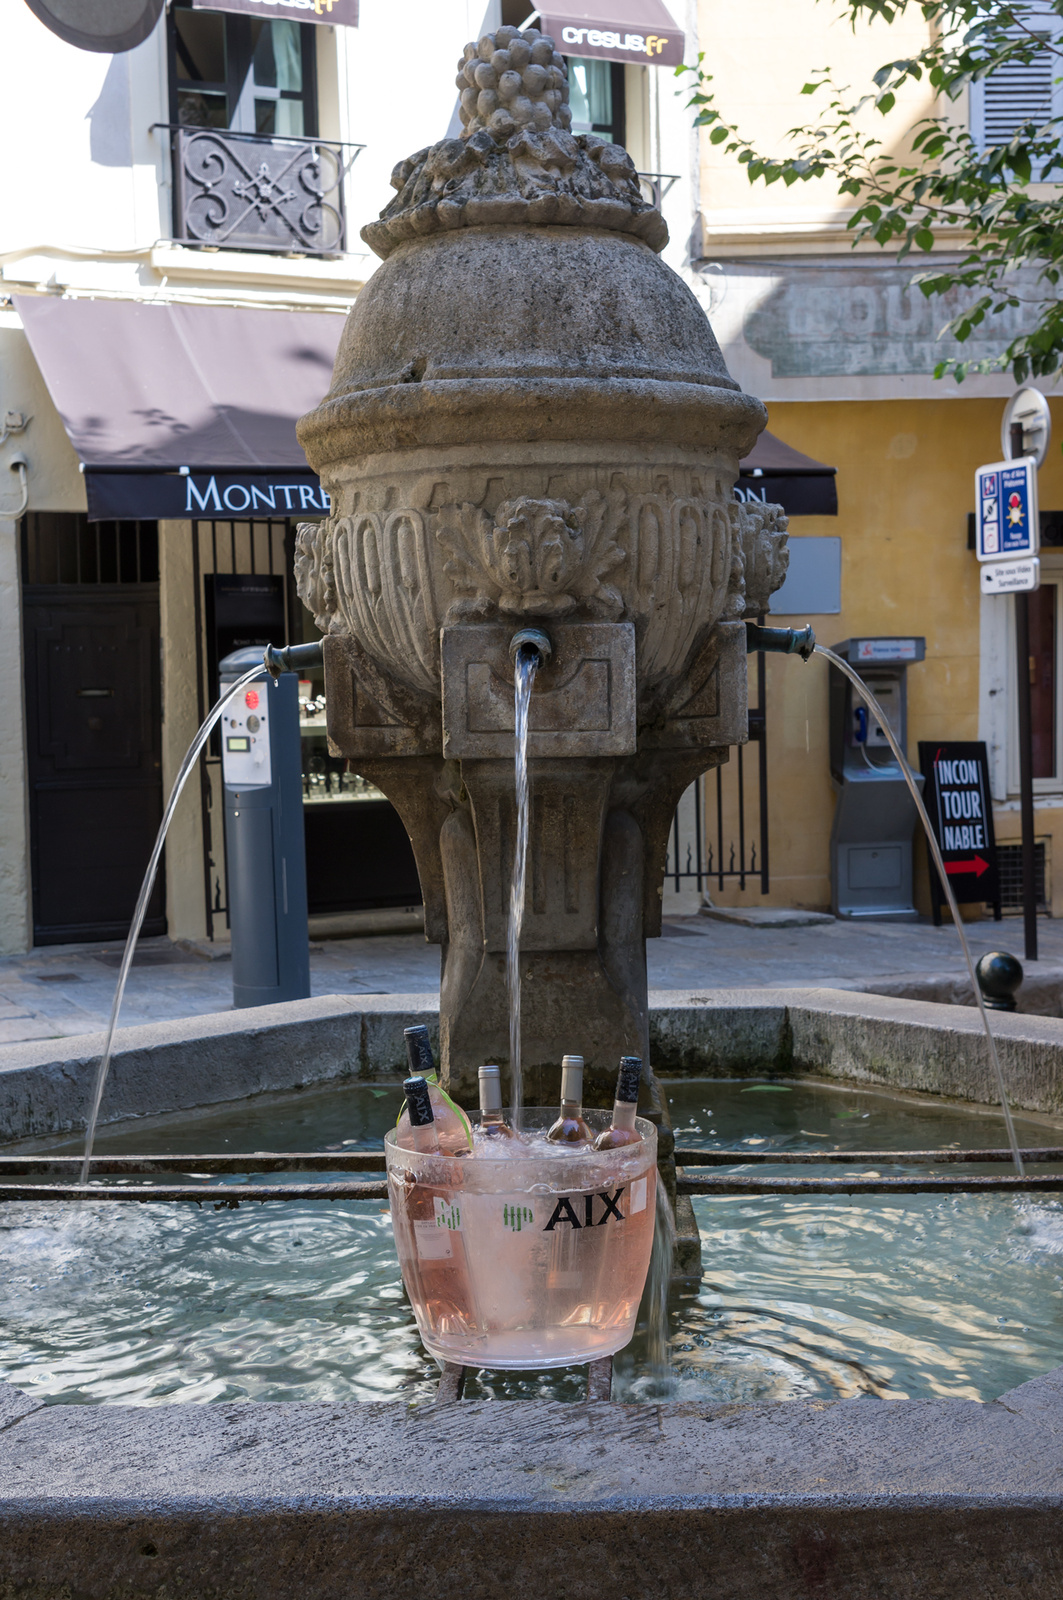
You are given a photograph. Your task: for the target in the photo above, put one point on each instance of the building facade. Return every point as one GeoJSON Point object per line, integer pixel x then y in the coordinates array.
{"type": "Point", "coordinates": [178, 255]}
{"type": "Point", "coordinates": [842, 351]}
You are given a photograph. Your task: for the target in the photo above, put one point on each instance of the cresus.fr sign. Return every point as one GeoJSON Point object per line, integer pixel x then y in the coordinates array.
{"type": "Point", "coordinates": [659, 44]}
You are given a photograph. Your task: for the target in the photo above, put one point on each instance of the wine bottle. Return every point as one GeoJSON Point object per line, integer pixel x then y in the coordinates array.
{"type": "Point", "coordinates": [493, 1124]}
{"type": "Point", "coordinates": [428, 1229]}
{"type": "Point", "coordinates": [623, 1129]}
{"type": "Point", "coordinates": [570, 1127]}
{"type": "Point", "coordinates": [424, 1135]}
{"type": "Point", "coordinates": [452, 1125]}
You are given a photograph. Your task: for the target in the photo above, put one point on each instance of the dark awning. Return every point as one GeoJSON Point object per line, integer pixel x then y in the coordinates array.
{"type": "Point", "coordinates": [193, 406]}
{"type": "Point", "coordinates": [643, 32]}
{"type": "Point", "coordinates": [343, 12]}
{"type": "Point", "coordinates": [780, 475]}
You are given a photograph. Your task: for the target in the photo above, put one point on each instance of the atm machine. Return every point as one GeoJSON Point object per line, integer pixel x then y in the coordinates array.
{"type": "Point", "coordinates": [875, 818]}
{"type": "Point", "coordinates": [265, 850]}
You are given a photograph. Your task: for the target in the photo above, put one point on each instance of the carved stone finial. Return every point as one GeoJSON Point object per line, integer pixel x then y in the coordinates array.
{"type": "Point", "coordinates": [512, 80]}
{"type": "Point", "coordinates": [516, 160]}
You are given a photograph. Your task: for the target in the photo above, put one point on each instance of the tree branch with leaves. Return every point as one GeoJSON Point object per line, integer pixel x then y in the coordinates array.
{"type": "Point", "coordinates": [996, 211]}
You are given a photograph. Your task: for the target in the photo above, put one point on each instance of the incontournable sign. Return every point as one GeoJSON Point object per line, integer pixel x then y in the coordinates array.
{"type": "Point", "coordinates": [960, 807]}
{"type": "Point", "coordinates": [1005, 500]}
{"type": "Point", "coordinates": [1011, 577]}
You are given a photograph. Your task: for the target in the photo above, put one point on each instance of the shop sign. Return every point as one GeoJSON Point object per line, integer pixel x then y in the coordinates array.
{"type": "Point", "coordinates": [1006, 523]}
{"type": "Point", "coordinates": [647, 36]}
{"type": "Point", "coordinates": [343, 12]}
{"type": "Point", "coordinates": [960, 807]}
{"type": "Point", "coordinates": [879, 650]}
{"type": "Point", "coordinates": [203, 496]}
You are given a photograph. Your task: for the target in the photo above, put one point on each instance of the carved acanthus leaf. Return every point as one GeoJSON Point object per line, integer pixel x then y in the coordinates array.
{"type": "Point", "coordinates": [541, 558]}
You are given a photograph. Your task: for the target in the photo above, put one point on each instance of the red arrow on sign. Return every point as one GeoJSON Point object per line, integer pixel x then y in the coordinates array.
{"type": "Point", "coordinates": [976, 865]}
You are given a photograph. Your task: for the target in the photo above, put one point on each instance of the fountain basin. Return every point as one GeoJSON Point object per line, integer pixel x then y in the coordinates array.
{"type": "Point", "coordinates": [859, 1497]}
{"type": "Point", "coordinates": [802, 1297]}
{"type": "Point", "coordinates": [526, 1260]}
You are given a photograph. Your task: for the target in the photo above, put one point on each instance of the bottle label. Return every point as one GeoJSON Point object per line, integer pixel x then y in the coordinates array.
{"type": "Point", "coordinates": [516, 1218]}
{"type": "Point", "coordinates": [433, 1236]}
{"type": "Point", "coordinates": [638, 1197]}
{"type": "Point", "coordinates": [433, 1244]}
{"type": "Point", "coordinates": [448, 1214]}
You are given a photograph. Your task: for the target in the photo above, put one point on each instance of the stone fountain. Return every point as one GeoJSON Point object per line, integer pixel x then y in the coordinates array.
{"type": "Point", "coordinates": [531, 423]}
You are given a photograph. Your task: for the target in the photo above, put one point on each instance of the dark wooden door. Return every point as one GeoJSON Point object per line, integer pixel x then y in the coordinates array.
{"type": "Point", "coordinates": [93, 737]}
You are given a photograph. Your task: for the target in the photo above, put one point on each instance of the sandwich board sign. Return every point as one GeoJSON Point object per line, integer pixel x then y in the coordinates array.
{"type": "Point", "coordinates": [960, 807]}
{"type": "Point", "coordinates": [1007, 527]}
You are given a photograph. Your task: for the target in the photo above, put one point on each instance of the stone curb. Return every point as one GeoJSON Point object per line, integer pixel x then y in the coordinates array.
{"type": "Point", "coordinates": [855, 1498]}
{"type": "Point", "coordinates": [166, 1067]}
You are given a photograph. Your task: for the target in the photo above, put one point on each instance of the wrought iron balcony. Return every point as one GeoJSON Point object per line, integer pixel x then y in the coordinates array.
{"type": "Point", "coordinates": [247, 191]}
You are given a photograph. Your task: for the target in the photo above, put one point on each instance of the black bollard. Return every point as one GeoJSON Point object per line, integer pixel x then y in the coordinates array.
{"type": "Point", "coordinates": [999, 978]}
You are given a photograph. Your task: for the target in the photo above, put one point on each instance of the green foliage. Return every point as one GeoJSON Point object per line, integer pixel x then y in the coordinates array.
{"type": "Point", "coordinates": [981, 210]}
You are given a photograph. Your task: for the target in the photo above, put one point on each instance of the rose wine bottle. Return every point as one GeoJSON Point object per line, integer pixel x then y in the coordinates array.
{"type": "Point", "coordinates": [493, 1124]}
{"type": "Point", "coordinates": [623, 1130]}
{"type": "Point", "coordinates": [452, 1125]}
{"type": "Point", "coordinates": [429, 1230]}
{"type": "Point", "coordinates": [570, 1127]}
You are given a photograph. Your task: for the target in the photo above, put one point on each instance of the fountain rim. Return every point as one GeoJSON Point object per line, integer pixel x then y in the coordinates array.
{"type": "Point", "coordinates": [530, 410]}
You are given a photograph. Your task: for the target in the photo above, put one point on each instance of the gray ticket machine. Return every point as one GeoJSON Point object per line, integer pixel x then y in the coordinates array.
{"type": "Point", "coordinates": [875, 818]}
{"type": "Point", "coordinates": [265, 852]}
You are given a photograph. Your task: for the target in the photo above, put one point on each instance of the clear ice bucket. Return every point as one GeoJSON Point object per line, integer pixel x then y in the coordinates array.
{"type": "Point", "coordinates": [532, 1259]}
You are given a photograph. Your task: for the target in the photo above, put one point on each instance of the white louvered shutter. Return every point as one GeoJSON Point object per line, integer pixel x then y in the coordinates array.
{"type": "Point", "coordinates": [1020, 92]}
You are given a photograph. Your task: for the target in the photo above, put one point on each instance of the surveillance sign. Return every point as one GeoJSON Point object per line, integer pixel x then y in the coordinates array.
{"type": "Point", "coordinates": [1006, 520]}
{"type": "Point", "coordinates": [1011, 577]}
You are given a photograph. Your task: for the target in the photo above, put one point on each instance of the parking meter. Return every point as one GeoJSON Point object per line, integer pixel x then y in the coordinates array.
{"type": "Point", "coordinates": [875, 817]}
{"type": "Point", "coordinates": [265, 852]}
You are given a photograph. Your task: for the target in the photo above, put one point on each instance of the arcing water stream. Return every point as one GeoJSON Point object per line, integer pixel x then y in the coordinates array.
{"type": "Point", "coordinates": [932, 845]}
{"type": "Point", "coordinates": [525, 666]}
{"type": "Point", "coordinates": [146, 887]}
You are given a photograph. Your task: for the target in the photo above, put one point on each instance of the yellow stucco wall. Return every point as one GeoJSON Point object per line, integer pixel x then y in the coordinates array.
{"type": "Point", "coordinates": [905, 486]}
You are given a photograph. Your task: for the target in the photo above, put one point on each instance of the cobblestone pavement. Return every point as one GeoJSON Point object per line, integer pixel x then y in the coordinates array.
{"type": "Point", "coordinates": [66, 990]}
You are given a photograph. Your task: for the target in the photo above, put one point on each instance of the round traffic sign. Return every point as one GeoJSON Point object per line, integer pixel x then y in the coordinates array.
{"type": "Point", "coordinates": [1027, 409]}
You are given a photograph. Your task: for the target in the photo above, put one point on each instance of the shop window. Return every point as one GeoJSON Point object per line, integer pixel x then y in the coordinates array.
{"type": "Point", "coordinates": [596, 95]}
{"type": "Point", "coordinates": [242, 73]}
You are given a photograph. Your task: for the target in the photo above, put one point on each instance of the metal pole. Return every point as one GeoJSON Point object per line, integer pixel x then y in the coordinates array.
{"type": "Point", "coordinates": [1022, 667]}
{"type": "Point", "coordinates": [1022, 663]}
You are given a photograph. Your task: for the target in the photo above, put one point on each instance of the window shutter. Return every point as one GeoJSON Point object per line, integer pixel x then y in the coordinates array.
{"type": "Point", "coordinates": [1016, 94]}
{"type": "Point", "coordinates": [1021, 93]}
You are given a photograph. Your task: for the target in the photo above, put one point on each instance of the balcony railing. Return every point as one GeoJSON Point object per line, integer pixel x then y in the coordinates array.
{"type": "Point", "coordinates": [247, 191]}
{"type": "Point", "coordinates": [655, 185]}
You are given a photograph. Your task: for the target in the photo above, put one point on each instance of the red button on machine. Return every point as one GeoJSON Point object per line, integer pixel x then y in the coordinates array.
{"type": "Point", "coordinates": [251, 699]}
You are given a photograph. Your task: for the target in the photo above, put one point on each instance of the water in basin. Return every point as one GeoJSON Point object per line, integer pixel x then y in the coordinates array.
{"type": "Point", "coordinates": [811, 1296]}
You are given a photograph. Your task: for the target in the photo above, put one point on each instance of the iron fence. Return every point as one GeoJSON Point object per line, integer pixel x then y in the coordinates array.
{"type": "Point", "coordinates": [720, 829]}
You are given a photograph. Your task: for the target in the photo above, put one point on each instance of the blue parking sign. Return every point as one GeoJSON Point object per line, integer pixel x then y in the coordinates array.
{"type": "Point", "coordinates": [1006, 510]}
